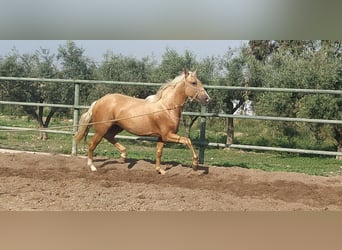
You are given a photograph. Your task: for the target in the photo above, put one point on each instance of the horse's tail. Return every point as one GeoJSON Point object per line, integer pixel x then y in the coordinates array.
{"type": "Point", "coordinates": [84, 125]}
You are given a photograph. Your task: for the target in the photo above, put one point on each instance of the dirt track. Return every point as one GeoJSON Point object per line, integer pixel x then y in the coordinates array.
{"type": "Point", "coordinates": [55, 182]}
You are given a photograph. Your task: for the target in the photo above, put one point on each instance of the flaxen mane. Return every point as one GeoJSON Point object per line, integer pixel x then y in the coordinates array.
{"type": "Point", "coordinates": [170, 84]}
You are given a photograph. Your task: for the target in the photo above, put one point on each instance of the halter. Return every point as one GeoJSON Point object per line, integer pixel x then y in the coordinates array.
{"type": "Point", "coordinates": [197, 93]}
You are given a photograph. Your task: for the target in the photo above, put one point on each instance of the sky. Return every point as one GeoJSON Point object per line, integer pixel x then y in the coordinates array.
{"type": "Point", "coordinates": [95, 49]}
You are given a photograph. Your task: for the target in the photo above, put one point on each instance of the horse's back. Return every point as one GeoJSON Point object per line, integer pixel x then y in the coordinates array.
{"type": "Point", "coordinates": [120, 98]}
{"type": "Point", "coordinates": [115, 100]}
{"type": "Point", "coordinates": [114, 105]}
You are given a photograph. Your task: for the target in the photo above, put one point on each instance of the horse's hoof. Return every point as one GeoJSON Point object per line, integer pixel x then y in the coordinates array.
{"type": "Point", "coordinates": [93, 168]}
{"type": "Point", "coordinates": [195, 164]}
{"type": "Point", "coordinates": [161, 171]}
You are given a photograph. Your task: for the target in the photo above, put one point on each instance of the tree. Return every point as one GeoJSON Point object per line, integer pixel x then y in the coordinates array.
{"type": "Point", "coordinates": [12, 66]}
{"type": "Point", "coordinates": [124, 68]}
{"type": "Point", "coordinates": [304, 64]}
{"type": "Point", "coordinates": [75, 65]}
{"type": "Point", "coordinates": [326, 73]}
{"type": "Point", "coordinates": [172, 64]}
{"type": "Point", "coordinates": [239, 69]}
{"type": "Point", "coordinates": [39, 64]}
{"type": "Point", "coordinates": [43, 67]}
{"type": "Point", "coordinates": [262, 49]}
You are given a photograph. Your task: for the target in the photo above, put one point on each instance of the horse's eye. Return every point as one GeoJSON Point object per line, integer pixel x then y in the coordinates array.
{"type": "Point", "coordinates": [194, 83]}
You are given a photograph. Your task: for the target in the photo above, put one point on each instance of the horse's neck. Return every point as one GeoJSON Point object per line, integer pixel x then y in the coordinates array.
{"type": "Point", "coordinates": [175, 97]}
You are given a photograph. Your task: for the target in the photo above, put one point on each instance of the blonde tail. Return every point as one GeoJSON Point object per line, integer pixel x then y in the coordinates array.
{"type": "Point", "coordinates": [84, 126]}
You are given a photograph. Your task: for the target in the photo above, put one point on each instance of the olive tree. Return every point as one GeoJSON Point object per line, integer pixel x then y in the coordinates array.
{"type": "Point", "coordinates": [304, 64]}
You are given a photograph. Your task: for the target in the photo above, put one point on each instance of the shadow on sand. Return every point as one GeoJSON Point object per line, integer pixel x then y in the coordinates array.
{"type": "Point", "coordinates": [133, 162]}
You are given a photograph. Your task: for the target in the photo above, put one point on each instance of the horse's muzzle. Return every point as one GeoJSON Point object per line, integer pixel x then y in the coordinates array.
{"type": "Point", "coordinates": [203, 97]}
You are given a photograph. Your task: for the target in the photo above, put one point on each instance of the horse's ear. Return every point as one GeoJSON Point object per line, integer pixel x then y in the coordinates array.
{"type": "Point", "coordinates": [195, 72]}
{"type": "Point", "coordinates": [186, 71]}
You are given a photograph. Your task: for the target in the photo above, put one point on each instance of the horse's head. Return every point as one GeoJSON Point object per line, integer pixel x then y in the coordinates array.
{"type": "Point", "coordinates": [194, 87]}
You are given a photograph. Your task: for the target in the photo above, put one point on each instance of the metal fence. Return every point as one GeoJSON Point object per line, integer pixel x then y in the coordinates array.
{"type": "Point", "coordinates": [202, 143]}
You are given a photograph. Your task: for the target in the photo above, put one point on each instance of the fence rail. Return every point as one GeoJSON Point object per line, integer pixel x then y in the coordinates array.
{"type": "Point", "coordinates": [202, 143]}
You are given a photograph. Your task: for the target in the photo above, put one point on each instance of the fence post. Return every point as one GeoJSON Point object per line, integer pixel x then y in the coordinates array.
{"type": "Point", "coordinates": [76, 116]}
{"type": "Point", "coordinates": [202, 135]}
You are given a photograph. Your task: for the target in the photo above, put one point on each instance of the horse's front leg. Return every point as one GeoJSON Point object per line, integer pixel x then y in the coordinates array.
{"type": "Point", "coordinates": [159, 153]}
{"type": "Point", "coordinates": [185, 141]}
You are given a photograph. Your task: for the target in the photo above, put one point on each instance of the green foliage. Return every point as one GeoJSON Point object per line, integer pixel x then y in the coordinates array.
{"type": "Point", "coordinates": [303, 64]}
{"type": "Point", "coordinates": [74, 66]}
{"type": "Point", "coordinates": [126, 69]}
{"type": "Point", "coordinates": [172, 64]}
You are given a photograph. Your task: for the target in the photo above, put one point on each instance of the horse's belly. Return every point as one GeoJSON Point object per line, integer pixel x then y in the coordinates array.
{"type": "Point", "coordinates": [138, 126]}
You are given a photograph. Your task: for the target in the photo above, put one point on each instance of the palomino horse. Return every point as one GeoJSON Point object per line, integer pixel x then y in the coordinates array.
{"type": "Point", "coordinates": [157, 117]}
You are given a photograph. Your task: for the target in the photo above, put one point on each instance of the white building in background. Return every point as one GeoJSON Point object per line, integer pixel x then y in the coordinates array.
{"type": "Point", "coordinates": [245, 109]}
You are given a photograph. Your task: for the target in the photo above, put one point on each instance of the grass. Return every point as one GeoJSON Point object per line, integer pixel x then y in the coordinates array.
{"type": "Point", "coordinates": [313, 165]}
{"type": "Point", "coordinates": [269, 161]}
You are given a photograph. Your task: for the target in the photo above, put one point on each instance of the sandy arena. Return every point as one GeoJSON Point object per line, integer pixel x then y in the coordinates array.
{"type": "Point", "coordinates": [34, 181]}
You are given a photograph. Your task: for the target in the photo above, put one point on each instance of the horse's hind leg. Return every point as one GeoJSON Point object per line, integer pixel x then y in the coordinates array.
{"type": "Point", "coordinates": [110, 136]}
{"type": "Point", "coordinates": [159, 152]}
{"type": "Point", "coordinates": [95, 140]}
